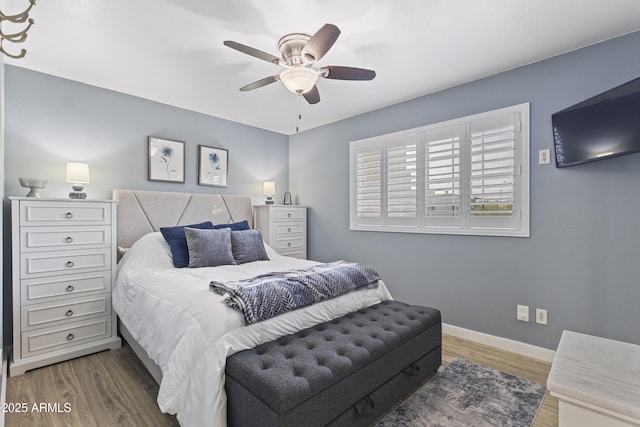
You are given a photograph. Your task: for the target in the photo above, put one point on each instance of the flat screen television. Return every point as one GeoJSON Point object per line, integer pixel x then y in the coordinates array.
{"type": "Point", "coordinates": [607, 125]}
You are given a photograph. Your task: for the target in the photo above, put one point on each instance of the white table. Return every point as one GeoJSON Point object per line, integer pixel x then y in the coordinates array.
{"type": "Point", "coordinates": [597, 381]}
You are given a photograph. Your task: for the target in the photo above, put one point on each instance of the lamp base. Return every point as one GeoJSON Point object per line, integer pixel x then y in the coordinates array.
{"type": "Point", "coordinates": [77, 192]}
{"type": "Point", "coordinates": [269, 200]}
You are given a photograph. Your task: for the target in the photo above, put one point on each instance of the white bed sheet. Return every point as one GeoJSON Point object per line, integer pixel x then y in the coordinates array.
{"type": "Point", "coordinates": [188, 331]}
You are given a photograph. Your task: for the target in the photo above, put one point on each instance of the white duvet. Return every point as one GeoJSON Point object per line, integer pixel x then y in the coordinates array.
{"type": "Point", "coordinates": [188, 331]}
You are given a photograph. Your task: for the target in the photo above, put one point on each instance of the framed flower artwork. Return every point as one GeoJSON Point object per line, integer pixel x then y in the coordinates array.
{"type": "Point", "coordinates": [166, 160]}
{"type": "Point", "coordinates": [212, 166]}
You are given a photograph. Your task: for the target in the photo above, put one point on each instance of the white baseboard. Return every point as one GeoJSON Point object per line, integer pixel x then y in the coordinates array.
{"type": "Point", "coordinates": [506, 344]}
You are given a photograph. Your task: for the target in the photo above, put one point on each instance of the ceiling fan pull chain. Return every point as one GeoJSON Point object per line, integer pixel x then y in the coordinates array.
{"type": "Point", "coordinates": [298, 114]}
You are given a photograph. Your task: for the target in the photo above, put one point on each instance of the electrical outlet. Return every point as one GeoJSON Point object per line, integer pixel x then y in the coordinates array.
{"type": "Point", "coordinates": [544, 157]}
{"type": "Point", "coordinates": [541, 316]}
{"type": "Point", "coordinates": [522, 312]}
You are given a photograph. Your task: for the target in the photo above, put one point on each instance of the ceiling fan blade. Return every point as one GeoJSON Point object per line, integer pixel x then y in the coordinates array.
{"type": "Point", "coordinates": [312, 96]}
{"type": "Point", "coordinates": [346, 73]}
{"type": "Point", "coordinates": [260, 83]}
{"type": "Point", "coordinates": [253, 52]}
{"type": "Point", "coordinates": [320, 43]}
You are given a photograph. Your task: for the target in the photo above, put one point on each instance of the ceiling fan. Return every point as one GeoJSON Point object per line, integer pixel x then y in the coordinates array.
{"type": "Point", "coordinates": [299, 52]}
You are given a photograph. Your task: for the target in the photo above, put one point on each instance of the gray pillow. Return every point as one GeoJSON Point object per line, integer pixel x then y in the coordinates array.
{"type": "Point", "coordinates": [248, 246]}
{"type": "Point", "coordinates": [209, 248]}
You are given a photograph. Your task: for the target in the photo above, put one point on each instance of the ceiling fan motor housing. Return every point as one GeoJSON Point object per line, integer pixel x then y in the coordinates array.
{"type": "Point", "coordinates": [291, 46]}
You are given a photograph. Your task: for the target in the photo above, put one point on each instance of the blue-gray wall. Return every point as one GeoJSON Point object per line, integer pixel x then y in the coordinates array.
{"type": "Point", "coordinates": [50, 121]}
{"type": "Point", "coordinates": [581, 262]}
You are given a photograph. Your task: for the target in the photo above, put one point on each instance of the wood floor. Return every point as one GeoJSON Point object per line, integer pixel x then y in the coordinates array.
{"type": "Point", "coordinates": [112, 388]}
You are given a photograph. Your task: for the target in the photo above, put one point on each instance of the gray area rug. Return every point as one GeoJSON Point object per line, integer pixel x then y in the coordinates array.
{"type": "Point", "coordinates": [468, 395]}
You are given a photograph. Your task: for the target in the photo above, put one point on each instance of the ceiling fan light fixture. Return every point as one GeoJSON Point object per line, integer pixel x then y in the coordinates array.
{"type": "Point", "coordinates": [298, 53]}
{"type": "Point", "coordinates": [299, 80]}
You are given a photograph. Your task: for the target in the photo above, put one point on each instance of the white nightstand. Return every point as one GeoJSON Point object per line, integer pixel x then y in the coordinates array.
{"type": "Point", "coordinates": [284, 228]}
{"type": "Point", "coordinates": [63, 272]}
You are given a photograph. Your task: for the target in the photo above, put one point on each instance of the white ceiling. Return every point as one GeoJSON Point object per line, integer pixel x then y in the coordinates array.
{"type": "Point", "coordinates": [171, 51]}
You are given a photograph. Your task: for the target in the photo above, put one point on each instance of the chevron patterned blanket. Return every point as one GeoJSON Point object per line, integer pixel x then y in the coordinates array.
{"type": "Point", "coordinates": [269, 295]}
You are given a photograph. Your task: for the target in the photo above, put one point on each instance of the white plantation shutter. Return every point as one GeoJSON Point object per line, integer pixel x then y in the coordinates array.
{"type": "Point", "coordinates": [493, 172]}
{"type": "Point", "coordinates": [442, 174]}
{"type": "Point", "coordinates": [402, 180]}
{"type": "Point", "coordinates": [464, 176]}
{"type": "Point", "coordinates": [368, 186]}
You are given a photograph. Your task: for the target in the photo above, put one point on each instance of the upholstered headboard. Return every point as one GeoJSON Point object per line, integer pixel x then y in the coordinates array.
{"type": "Point", "coordinates": [142, 212]}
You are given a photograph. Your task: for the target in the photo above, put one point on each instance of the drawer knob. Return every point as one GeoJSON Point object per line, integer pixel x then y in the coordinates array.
{"type": "Point", "coordinates": [69, 288]}
{"type": "Point", "coordinates": [69, 264]}
{"type": "Point", "coordinates": [69, 313]}
{"type": "Point", "coordinates": [289, 244]}
{"type": "Point", "coordinates": [68, 215]}
{"type": "Point", "coordinates": [289, 229]}
{"type": "Point", "coordinates": [70, 337]}
{"type": "Point", "coordinates": [289, 215]}
{"type": "Point", "coordinates": [69, 239]}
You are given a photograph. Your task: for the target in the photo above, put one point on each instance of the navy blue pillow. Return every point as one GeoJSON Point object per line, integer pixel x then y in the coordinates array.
{"type": "Point", "coordinates": [236, 226]}
{"type": "Point", "coordinates": [177, 241]}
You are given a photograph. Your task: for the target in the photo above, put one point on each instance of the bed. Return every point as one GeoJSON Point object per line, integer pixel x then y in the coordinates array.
{"type": "Point", "coordinates": [181, 330]}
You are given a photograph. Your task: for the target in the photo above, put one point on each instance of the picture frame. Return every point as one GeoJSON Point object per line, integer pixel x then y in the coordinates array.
{"type": "Point", "coordinates": [213, 164]}
{"type": "Point", "coordinates": [166, 160]}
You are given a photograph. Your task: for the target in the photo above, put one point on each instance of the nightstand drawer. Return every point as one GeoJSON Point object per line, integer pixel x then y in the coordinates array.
{"type": "Point", "coordinates": [40, 263]}
{"type": "Point", "coordinates": [61, 238]}
{"type": "Point", "coordinates": [297, 253]}
{"type": "Point", "coordinates": [56, 338]}
{"type": "Point", "coordinates": [287, 228]}
{"type": "Point", "coordinates": [286, 213]}
{"type": "Point", "coordinates": [57, 213]}
{"type": "Point", "coordinates": [285, 244]}
{"type": "Point", "coordinates": [56, 287]}
{"type": "Point", "coordinates": [48, 314]}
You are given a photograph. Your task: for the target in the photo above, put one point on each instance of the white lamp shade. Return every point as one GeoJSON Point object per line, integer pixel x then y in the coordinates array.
{"type": "Point", "coordinates": [269, 188]}
{"type": "Point", "coordinates": [299, 79]}
{"type": "Point", "coordinates": [78, 173]}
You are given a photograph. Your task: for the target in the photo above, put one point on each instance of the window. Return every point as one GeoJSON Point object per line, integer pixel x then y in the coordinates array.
{"type": "Point", "coordinates": [463, 176]}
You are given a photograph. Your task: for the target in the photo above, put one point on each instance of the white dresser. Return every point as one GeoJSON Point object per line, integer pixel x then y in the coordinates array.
{"type": "Point", "coordinates": [284, 228]}
{"type": "Point", "coordinates": [63, 271]}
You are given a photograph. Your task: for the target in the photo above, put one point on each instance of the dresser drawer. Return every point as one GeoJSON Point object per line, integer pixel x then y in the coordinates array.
{"type": "Point", "coordinates": [288, 228]}
{"type": "Point", "coordinates": [60, 262]}
{"type": "Point", "coordinates": [288, 244]}
{"type": "Point", "coordinates": [48, 314]}
{"type": "Point", "coordinates": [73, 285]}
{"type": "Point", "coordinates": [286, 213]}
{"type": "Point", "coordinates": [62, 238]}
{"type": "Point", "coordinates": [58, 213]}
{"type": "Point", "coordinates": [46, 340]}
{"type": "Point", "coordinates": [295, 253]}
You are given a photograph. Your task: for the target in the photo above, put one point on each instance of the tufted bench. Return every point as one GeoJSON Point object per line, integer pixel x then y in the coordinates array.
{"type": "Point", "coordinates": [346, 372]}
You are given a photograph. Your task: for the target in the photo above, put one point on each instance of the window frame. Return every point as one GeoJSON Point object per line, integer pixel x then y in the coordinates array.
{"type": "Point", "coordinates": [468, 224]}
